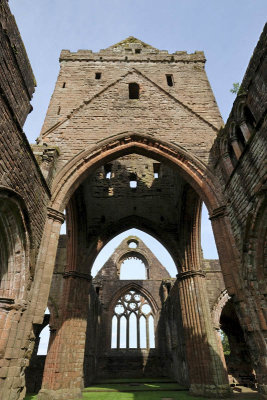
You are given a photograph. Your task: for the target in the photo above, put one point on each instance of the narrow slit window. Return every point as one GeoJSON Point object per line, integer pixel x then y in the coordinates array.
{"type": "Point", "coordinates": [137, 51]}
{"type": "Point", "coordinates": [98, 75]}
{"type": "Point", "coordinates": [108, 170]}
{"type": "Point", "coordinates": [156, 170]}
{"type": "Point", "coordinates": [58, 110]}
{"type": "Point", "coordinates": [133, 181]}
{"type": "Point", "coordinates": [64, 85]}
{"type": "Point", "coordinates": [169, 78]}
{"type": "Point", "coordinates": [133, 90]}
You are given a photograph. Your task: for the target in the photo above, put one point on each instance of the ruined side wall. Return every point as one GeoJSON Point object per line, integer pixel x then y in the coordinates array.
{"type": "Point", "coordinates": [243, 177]}
{"type": "Point", "coordinates": [24, 194]}
{"type": "Point", "coordinates": [19, 170]}
{"type": "Point", "coordinates": [239, 161]}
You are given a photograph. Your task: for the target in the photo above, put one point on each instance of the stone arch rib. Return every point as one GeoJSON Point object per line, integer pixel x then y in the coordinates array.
{"type": "Point", "coordinates": [191, 169]}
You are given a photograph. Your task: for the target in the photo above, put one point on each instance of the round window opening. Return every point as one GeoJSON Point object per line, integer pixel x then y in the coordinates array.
{"type": "Point", "coordinates": [133, 244]}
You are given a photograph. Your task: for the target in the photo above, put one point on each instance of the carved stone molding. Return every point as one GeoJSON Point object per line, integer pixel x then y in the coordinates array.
{"type": "Point", "coordinates": [79, 275]}
{"type": "Point", "coordinates": [55, 215]}
{"type": "Point", "coordinates": [190, 274]}
{"type": "Point", "coordinates": [218, 212]}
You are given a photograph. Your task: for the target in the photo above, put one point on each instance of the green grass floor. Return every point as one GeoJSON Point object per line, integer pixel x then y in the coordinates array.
{"type": "Point", "coordinates": [143, 389]}
{"type": "Point", "coordinates": [132, 396]}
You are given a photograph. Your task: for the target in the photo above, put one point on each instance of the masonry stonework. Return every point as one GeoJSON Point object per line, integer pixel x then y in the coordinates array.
{"type": "Point", "coordinates": [24, 195]}
{"type": "Point", "coordinates": [132, 138]}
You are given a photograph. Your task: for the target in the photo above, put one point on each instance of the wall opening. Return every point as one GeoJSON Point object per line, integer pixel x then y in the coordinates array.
{"type": "Point", "coordinates": [132, 322]}
{"type": "Point", "coordinates": [237, 357]}
{"type": "Point", "coordinates": [133, 90]}
{"type": "Point", "coordinates": [133, 181]}
{"type": "Point", "coordinates": [108, 171]}
{"type": "Point", "coordinates": [133, 268]}
{"type": "Point", "coordinates": [98, 75]}
{"type": "Point", "coordinates": [169, 78]}
{"type": "Point", "coordinates": [153, 244]}
{"type": "Point", "coordinates": [156, 170]}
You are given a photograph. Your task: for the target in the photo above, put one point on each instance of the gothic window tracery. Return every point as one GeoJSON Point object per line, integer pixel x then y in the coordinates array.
{"type": "Point", "coordinates": [132, 322]}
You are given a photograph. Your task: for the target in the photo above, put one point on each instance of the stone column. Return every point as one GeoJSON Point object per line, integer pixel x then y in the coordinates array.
{"type": "Point", "coordinates": [207, 374]}
{"type": "Point", "coordinates": [63, 374]}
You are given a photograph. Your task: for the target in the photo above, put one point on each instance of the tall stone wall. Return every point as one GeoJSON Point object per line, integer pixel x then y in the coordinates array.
{"type": "Point", "coordinates": [239, 161]}
{"type": "Point", "coordinates": [23, 199]}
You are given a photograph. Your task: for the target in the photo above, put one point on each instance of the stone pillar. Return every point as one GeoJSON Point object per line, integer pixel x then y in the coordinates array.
{"type": "Point", "coordinates": [46, 263]}
{"type": "Point", "coordinates": [22, 314]}
{"type": "Point", "coordinates": [207, 374]}
{"type": "Point", "coordinates": [63, 374]}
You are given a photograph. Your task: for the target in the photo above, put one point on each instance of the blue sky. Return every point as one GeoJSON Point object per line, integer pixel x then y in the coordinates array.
{"type": "Point", "coordinates": [226, 30]}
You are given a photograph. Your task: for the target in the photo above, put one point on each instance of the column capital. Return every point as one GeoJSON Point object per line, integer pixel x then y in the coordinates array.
{"type": "Point", "coordinates": [190, 274]}
{"type": "Point", "coordinates": [76, 274]}
{"type": "Point", "coordinates": [218, 212]}
{"type": "Point", "coordinates": [55, 215]}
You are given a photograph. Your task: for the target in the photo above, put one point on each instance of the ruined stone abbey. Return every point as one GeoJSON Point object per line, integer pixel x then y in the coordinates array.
{"type": "Point", "coordinates": [132, 138]}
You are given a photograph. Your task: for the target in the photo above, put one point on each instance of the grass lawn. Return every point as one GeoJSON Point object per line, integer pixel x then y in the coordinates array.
{"type": "Point", "coordinates": [143, 389]}
{"type": "Point", "coordinates": [140, 387]}
{"type": "Point", "coordinates": [132, 396]}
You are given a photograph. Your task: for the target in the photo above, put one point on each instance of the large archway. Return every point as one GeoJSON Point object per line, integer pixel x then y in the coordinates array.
{"type": "Point", "coordinates": [76, 188]}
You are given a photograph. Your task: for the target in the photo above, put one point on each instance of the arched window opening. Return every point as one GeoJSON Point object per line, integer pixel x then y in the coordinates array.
{"type": "Point", "coordinates": [142, 325]}
{"type": "Point", "coordinates": [133, 90]}
{"type": "Point", "coordinates": [133, 331]}
{"type": "Point", "coordinates": [44, 341]}
{"type": "Point", "coordinates": [132, 322]}
{"type": "Point", "coordinates": [232, 154]}
{"type": "Point", "coordinates": [151, 332]}
{"type": "Point", "coordinates": [237, 357]}
{"type": "Point", "coordinates": [13, 249]}
{"type": "Point", "coordinates": [225, 343]}
{"type": "Point", "coordinates": [114, 332]}
{"type": "Point", "coordinates": [133, 268]}
{"type": "Point", "coordinates": [153, 244]}
{"type": "Point", "coordinates": [249, 119]}
{"type": "Point", "coordinates": [240, 138]}
{"type": "Point", "coordinates": [122, 332]}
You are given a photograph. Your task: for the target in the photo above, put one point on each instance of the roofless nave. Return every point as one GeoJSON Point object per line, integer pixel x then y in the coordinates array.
{"type": "Point", "coordinates": [132, 138]}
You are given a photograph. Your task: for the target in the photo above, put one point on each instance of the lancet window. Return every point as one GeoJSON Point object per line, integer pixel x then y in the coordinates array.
{"type": "Point", "coordinates": [132, 323]}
